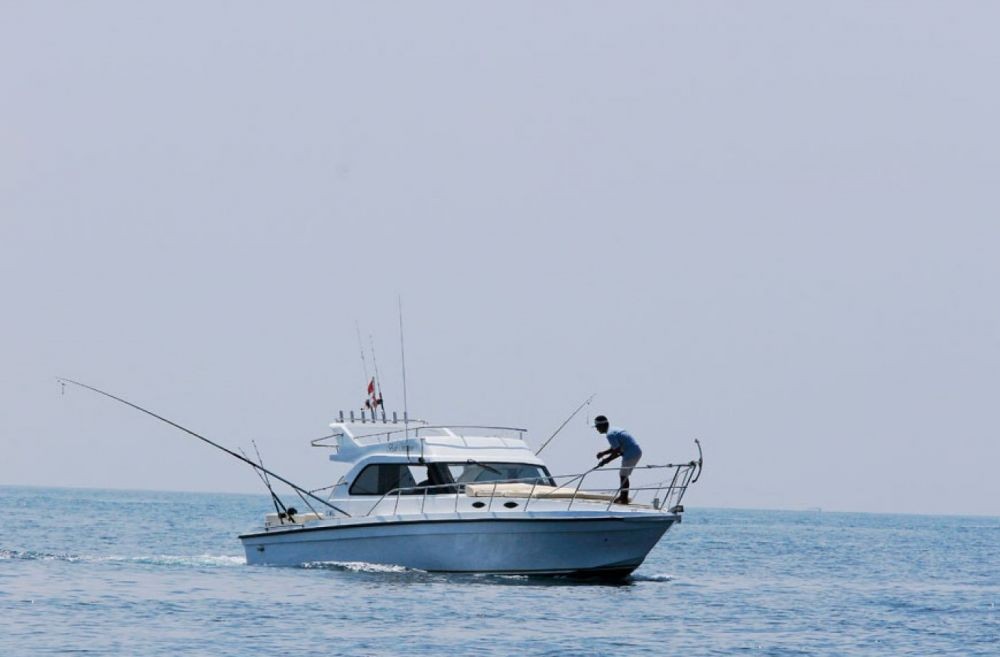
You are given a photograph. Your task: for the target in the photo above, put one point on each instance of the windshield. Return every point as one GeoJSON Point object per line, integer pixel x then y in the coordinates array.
{"type": "Point", "coordinates": [440, 478]}
{"type": "Point", "coordinates": [477, 471]}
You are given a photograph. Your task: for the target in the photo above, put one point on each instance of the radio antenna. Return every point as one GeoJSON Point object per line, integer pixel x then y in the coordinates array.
{"type": "Point", "coordinates": [402, 357]}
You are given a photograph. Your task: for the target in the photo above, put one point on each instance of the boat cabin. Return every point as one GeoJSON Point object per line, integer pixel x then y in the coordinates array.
{"type": "Point", "coordinates": [427, 461]}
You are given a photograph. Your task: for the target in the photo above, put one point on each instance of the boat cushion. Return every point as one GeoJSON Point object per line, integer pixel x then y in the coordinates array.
{"type": "Point", "coordinates": [525, 490]}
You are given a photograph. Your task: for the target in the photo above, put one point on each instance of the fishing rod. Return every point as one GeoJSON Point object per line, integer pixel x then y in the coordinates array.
{"type": "Point", "coordinates": [581, 476]}
{"type": "Point", "coordinates": [601, 464]}
{"type": "Point", "coordinates": [289, 511]}
{"type": "Point", "coordinates": [260, 459]}
{"type": "Point", "coordinates": [279, 506]}
{"type": "Point", "coordinates": [255, 466]}
{"type": "Point", "coordinates": [571, 416]}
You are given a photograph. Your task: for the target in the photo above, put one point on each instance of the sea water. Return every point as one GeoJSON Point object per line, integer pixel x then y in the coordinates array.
{"type": "Point", "coordinates": [103, 572]}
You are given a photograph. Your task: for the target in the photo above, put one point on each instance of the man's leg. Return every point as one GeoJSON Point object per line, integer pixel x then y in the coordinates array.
{"type": "Point", "coordinates": [623, 492]}
{"type": "Point", "coordinates": [626, 471]}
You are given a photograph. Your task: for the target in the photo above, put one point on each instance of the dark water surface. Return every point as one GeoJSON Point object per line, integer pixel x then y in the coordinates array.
{"type": "Point", "coordinates": [145, 573]}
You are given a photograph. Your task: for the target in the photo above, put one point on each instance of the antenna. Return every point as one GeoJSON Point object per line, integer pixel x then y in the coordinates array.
{"type": "Point", "coordinates": [402, 357]}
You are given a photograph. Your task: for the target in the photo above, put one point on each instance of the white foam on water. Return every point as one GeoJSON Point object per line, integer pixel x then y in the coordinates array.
{"type": "Point", "coordinates": [222, 560]}
{"type": "Point", "coordinates": [38, 556]}
{"type": "Point", "coordinates": [155, 560]}
{"type": "Point", "coordinates": [660, 577]}
{"type": "Point", "coordinates": [361, 567]}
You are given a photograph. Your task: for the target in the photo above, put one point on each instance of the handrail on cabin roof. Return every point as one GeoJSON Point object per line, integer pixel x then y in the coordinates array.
{"type": "Point", "coordinates": [388, 435]}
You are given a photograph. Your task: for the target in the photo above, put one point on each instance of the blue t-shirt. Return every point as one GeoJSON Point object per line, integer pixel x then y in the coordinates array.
{"type": "Point", "coordinates": [623, 440]}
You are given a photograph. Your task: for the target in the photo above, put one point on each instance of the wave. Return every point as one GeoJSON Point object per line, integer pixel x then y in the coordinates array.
{"type": "Point", "coordinates": [660, 577]}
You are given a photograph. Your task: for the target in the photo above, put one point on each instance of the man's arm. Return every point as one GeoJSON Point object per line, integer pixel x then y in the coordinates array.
{"type": "Point", "coordinates": [611, 454]}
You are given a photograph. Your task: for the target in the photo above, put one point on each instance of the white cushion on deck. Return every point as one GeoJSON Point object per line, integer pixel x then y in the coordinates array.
{"type": "Point", "coordinates": [525, 490]}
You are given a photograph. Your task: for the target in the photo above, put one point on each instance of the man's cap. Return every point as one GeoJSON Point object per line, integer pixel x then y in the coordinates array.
{"type": "Point", "coordinates": [600, 419]}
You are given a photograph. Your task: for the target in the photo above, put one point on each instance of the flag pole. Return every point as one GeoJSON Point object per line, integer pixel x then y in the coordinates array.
{"type": "Point", "coordinates": [378, 379]}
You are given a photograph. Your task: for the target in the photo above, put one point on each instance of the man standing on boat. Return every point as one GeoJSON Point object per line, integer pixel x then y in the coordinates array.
{"type": "Point", "coordinates": [623, 445]}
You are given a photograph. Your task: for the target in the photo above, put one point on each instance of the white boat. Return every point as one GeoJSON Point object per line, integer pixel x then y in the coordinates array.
{"type": "Point", "coordinates": [459, 499]}
{"type": "Point", "coordinates": [469, 500]}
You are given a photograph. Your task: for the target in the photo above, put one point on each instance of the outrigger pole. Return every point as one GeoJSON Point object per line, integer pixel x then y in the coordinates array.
{"type": "Point", "coordinates": [260, 468]}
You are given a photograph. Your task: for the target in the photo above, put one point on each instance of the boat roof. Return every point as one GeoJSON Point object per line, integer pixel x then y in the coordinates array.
{"type": "Point", "coordinates": [354, 442]}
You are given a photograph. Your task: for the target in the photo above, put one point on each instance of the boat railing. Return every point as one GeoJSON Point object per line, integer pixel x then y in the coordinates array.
{"type": "Point", "coordinates": [448, 431]}
{"type": "Point", "coordinates": [664, 495]}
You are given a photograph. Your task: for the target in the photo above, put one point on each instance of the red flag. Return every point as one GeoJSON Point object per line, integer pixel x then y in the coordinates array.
{"type": "Point", "coordinates": [373, 401]}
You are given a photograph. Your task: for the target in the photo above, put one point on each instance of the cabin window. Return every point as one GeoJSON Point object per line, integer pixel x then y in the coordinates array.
{"type": "Point", "coordinates": [403, 479]}
{"type": "Point", "coordinates": [477, 472]}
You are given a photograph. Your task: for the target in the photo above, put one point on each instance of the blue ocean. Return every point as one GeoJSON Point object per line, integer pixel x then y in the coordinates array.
{"type": "Point", "coordinates": [108, 572]}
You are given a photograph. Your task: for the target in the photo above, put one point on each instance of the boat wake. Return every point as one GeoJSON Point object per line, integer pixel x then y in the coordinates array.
{"type": "Point", "coordinates": [661, 577]}
{"type": "Point", "coordinates": [360, 567]}
{"type": "Point", "coordinates": [31, 555]}
{"type": "Point", "coordinates": [203, 560]}
{"type": "Point", "coordinates": [210, 560]}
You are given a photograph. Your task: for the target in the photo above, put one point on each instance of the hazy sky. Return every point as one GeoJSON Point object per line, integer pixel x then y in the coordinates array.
{"type": "Point", "coordinates": [774, 226]}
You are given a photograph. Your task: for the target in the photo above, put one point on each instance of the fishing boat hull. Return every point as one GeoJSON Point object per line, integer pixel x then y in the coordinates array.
{"type": "Point", "coordinates": [544, 544]}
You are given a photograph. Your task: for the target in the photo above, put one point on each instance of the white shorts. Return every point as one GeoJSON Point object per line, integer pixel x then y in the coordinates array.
{"type": "Point", "coordinates": [627, 466]}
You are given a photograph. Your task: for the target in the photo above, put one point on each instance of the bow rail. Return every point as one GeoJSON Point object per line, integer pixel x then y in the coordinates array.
{"type": "Point", "coordinates": [517, 495]}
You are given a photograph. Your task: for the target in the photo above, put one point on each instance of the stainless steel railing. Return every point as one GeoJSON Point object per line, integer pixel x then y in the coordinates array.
{"type": "Point", "coordinates": [664, 496]}
{"type": "Point", "coordinates": [440, 430]}
{"type": "Point", "coordinates": [423, 431]}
